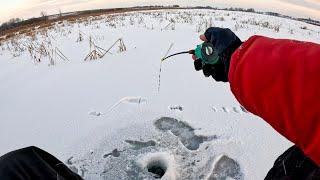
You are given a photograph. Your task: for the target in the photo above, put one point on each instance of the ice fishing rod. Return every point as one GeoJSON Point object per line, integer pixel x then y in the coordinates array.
{"type": "Point", "coordinates": [184, 52]}
{"type": "Point", "coordinates": [204, 52]}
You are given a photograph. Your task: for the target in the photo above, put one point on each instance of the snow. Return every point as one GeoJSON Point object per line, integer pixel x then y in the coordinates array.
{"type": "Point", "coordinates": [106, 117]}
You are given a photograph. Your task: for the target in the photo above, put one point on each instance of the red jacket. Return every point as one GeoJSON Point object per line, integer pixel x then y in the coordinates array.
{"type": "Point", "coordinates": [279, 80]}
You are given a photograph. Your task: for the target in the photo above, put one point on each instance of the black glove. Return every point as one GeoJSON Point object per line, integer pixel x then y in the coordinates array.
{"type": "Point", "coordinates": [225, 42]}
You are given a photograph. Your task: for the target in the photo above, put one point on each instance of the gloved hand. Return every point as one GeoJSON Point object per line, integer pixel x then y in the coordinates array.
{"type": "Point", "coordinates": [225, 42]}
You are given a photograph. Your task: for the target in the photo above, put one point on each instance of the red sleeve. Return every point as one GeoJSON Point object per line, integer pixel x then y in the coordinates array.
{"type": "Point", "coordinates": [279, 80]}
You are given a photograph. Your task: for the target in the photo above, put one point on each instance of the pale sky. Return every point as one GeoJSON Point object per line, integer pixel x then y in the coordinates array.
{"type": "Point", "coordinates": [31, 8]}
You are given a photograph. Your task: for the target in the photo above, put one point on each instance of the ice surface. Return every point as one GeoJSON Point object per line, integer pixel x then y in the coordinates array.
{"type": "Point", "coordinates": [183, 131]}
{"type": "Point", "coordinates": [163, 155]}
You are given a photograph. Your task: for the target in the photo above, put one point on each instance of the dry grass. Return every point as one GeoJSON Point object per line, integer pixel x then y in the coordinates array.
{"type": "Point", "coordinates": [74, 18]}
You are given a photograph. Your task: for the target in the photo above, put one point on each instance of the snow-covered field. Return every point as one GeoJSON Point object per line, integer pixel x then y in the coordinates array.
{"type": "Point", "coordinates": [106, 118]}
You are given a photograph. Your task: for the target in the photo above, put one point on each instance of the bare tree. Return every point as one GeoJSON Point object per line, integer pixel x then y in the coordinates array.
{"type": "Point", "coordinates": [60, 13]}
{"type": "Point", "coordinates": [44, 15]}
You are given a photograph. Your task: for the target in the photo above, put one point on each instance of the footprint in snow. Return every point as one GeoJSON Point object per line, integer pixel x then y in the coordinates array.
{"type": "Point", "coordinates": [94, 113]}
{"type": "Point", "coordinates": [234, 109]}
{"type": "Point", "coordinates": [226, 110]}
{"type": "Point", "coordinates": [176, 108]}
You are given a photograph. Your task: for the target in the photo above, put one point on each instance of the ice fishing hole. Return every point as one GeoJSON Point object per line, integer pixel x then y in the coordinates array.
{"type": "Point", "coordinates": [157, 168]}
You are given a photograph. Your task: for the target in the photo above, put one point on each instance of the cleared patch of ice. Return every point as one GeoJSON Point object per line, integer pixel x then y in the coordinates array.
{"type": "Point", "coordinates": [161, 154]}
{"type": "Point", "coordinates": [224, 168]}
{"type": "Point", "coordinates": [183, 131]}
{"type": "Point", "coordinates": [140, 144]}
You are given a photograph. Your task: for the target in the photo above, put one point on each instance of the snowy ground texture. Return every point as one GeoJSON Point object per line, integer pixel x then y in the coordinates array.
{"type": "Point", "coordinates": [106, 118]}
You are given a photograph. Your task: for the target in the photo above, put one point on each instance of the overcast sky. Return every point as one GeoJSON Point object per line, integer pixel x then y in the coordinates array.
{"type": "Point", "coordinates": [32, 8]}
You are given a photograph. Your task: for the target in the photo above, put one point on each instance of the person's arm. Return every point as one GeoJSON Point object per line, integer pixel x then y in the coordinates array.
{"type": "Point", "coordinates": [278, 80]}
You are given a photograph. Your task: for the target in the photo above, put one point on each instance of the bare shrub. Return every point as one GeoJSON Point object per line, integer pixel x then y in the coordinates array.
{"type": "Point", "coordinates": [276, 28]}
{"type": "Point", "coordinates": [80, 37]}
{"type": "Point", "coordinates": [131, 21]}
{"type": "Point", "coordinates": [291, 31]}
{"type": "Point", "coordinates": [264, 24]}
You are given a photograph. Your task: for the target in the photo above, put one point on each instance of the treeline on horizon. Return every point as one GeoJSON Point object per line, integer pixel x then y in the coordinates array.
{"type": "Point", "coordinates": [17, 22]}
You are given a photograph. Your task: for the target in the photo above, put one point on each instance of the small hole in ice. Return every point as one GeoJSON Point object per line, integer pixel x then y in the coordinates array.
{"type": "Point", "coordinates": [157, 169]}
